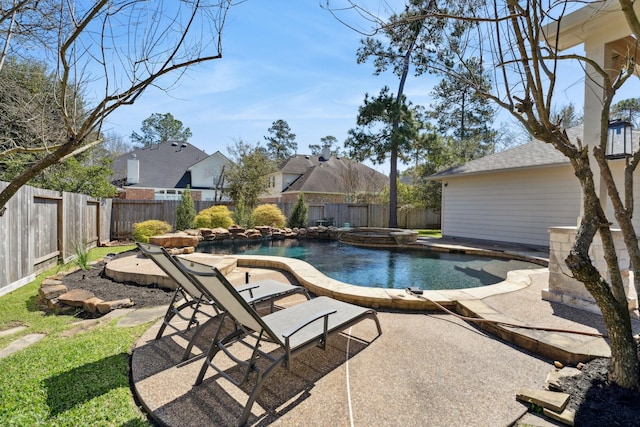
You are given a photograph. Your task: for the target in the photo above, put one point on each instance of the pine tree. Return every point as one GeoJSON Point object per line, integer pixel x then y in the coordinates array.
{"type": "Point", "coordinates": [186, 212]}
{"type": "Point", "coordinates": [298, 216]}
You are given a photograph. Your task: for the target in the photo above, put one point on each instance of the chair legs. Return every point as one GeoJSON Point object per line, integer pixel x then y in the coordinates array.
{"type": "Point", "coordinates": [250, 366]}
{"type": "Point", "coordinates": [172, 311]}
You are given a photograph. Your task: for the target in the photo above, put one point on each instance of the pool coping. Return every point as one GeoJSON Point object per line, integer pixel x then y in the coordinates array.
{"type": "Point", "coordinates": [378, 298]}
{"type": "Point", "coordinates": [400, 299]}
{"type": "Point", "coordinates": [565, 348]}
{"type": "Point", "coordinates": [386, 298]}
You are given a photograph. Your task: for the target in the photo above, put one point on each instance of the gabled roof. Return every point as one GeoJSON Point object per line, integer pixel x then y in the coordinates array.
{"type": "Point", "coordinates": [216, 154]}
{"type": "Point", "coordinates": [332, 175]}
{"type": "Point", "coordinates": [299, 164]}
{"type": "Point", "coordinates": [161, 165]}
{"type": "Point", "coordinates": [533, 154]}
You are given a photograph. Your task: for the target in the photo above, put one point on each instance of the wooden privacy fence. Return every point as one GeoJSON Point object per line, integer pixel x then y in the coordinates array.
{"type": "Point", "coordinates": [128, 212]}
{"type": "Point", "coordinates": [42, 227]}
{"type": "Point", "coordinates": [366, 215]}
{"type": "Point", "coordinates": [125, 213]}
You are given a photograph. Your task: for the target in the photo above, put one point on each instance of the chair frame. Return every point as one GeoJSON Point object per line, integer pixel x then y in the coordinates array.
{"type": "Point", "coordinates": [333, 315]}
{"type": "Point", "coordinates": [195, 298]}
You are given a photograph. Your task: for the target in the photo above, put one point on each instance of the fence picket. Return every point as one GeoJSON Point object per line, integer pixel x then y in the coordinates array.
{"type": "Point", "coordinates": [128, 212]}
{"type": "Point", "coordinates": [41, 227]}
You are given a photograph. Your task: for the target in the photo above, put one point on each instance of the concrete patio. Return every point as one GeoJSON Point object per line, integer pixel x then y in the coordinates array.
{"type": "Point", "coordinates": [427, 368]}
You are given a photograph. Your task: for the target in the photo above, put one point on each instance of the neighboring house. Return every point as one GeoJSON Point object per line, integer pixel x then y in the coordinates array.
{"type": "Point", "coordinates": [514, 195]}
{"type": "Point", "coordinates": [163, 171]}
{"type": "Point", "coordinates": [324, 179]}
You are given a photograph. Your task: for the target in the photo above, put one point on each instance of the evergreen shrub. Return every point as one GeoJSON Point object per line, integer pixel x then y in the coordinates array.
{"type": "Point", "coordinates": [145, 229]}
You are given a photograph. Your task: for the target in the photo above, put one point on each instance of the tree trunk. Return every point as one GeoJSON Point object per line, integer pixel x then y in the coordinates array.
{"type": "Point", "coordinates": [393, 189]}
{"type": "Point", "coordinates": [624, 369]}
{"type": "Point", "coordinates": [624, 355]}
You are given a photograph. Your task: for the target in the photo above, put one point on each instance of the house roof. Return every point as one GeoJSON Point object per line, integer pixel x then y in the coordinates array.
{"type": "Point", "coordinates": [299, 164]}
{"type": "Point", "coordinates": [161, 165]}
{"type": "Point", "coordinates": [332, 175]}
{"type": "Point", "coordinates": [533, 154]}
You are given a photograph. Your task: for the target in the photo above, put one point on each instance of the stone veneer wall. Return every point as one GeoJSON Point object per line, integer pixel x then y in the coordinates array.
{"type": "Point", "coordinates": [564, 288]}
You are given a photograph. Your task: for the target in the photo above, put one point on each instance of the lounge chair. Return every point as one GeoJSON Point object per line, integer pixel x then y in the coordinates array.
{"type": "Point", "coordinates": [292, 329]}
{"type": "Point", "coordinates": [195, 299]}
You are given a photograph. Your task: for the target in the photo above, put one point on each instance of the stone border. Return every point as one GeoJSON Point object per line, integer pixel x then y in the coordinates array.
{"type": "Point", "coordinates": [54, 296]}
{"type": "Point", "coordinates": [308, 276]}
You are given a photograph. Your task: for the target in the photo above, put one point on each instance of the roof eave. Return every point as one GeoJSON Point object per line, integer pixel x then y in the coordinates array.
{"type": "Point", "coordinates": [436, 177]}
{"type": "Point", "coordinates": [574, 28]}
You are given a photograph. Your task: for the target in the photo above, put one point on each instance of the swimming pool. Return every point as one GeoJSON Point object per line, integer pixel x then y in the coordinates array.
{"type": "Point", "coordinates": [385, 268]}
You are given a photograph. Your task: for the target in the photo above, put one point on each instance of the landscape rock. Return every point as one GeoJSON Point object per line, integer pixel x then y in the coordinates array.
{"type": "Point", "coordinates": [107, 306]}
{"type": "Point", "coordinates": [555, 377]}
{"type": "Point", "coordinates": [91, 305]}
{"type": "Point", "coordinates": [52, 291]}
{"type": "Point", "coordinates": [75, 297]}
{"type": "Point", "coordinates": [265, 230]}
{"type": "Point", "coordinates": [205, 232]}
{"type": "Point", "coordinates": [236, 229]}
{"type": "Point", "coordinates": [253, 233]}
{"type": "Point", "coordinates": [50, 281]}
{"type": "Point", "coordinates": [566, 417]}
{"type": "Point", "coordinates": [181, 251]}
{"type": "Point", "coordinates": [553, 400]}
{"type": "Point", "coordinates": [175, 240]}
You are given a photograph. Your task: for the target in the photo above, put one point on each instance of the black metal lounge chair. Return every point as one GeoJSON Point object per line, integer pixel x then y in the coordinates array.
{"type": "Point", "coordinates": [292, 329]}
{"type": "Point", "coordinates": [195, 299]}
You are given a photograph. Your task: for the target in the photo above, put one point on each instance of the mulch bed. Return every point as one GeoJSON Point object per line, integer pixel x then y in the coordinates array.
{"type": "Point", "coordinates": [597, 403]}
{"type": "Point", "coordinates": [108, 290]}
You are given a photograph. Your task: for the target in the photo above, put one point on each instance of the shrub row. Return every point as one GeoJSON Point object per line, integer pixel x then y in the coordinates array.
{"type": "Point", "coordinates": [213, 217]}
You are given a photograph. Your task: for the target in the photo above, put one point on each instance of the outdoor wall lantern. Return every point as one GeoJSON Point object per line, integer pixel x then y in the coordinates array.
{"type": "Point", "coordinates": [619, 144]}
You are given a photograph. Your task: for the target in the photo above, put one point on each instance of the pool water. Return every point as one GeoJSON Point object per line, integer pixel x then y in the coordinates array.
{"type": "Point", "coordinates": [382, 268]}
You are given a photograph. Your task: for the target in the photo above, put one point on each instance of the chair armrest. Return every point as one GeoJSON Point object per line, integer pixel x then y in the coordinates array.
{"type": "Point", "coordinates": [287, 335]}
{"type": "Point", "coordinates": [308, 321]}
{"type": "Point", "coordinates": [248, 288]}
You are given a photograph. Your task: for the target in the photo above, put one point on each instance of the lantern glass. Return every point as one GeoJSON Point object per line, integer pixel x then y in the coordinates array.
{"type": "Point", "coordinates": [619, 143]}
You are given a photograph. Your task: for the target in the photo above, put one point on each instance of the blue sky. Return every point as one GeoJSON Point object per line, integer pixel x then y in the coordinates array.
{"type": "Point", "coordinates": [289, 60]}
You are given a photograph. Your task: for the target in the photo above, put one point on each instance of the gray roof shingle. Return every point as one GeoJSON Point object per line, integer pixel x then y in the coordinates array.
{"type": "Point", "coordinates": [329, 176]}
{"type": "Point", "coordinates": [530, 155]}
{"type": "Point", "coordinates": [161, 166]}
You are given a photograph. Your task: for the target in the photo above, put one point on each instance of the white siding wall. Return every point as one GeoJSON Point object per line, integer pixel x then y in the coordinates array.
{"type": "Point", "coordinates": [275, 185]}
{"type": "Point", "coordinates": [514, 207]}
{"type": "Point", "coordinates": [205, 174]}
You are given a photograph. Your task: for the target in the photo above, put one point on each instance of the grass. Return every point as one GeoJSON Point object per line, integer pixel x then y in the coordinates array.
{"type": "Point", "coordinates": [430, 233]}
{"type": "Point", "coordinates": [65, 381]}
{"type": "Point", "coordinates": [82, 255]}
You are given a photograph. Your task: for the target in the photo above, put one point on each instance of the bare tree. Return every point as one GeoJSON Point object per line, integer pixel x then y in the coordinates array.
{"type": "Point", "coordinates": [351, 178]}
{"type": "Point", "coordinates": [110, 52]}
{"type": "Point", "coordinates": [521, 42]}
{"type": "Point", "coordinates": [527, 58]}
{"type": "Point", "coordinates": [26, 25]}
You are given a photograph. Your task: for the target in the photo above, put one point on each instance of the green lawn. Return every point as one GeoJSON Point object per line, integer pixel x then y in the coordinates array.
{"type": "Point", "coordinates": [430, 233]}
{"type": "Point", "coordinates": [65, 381]}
